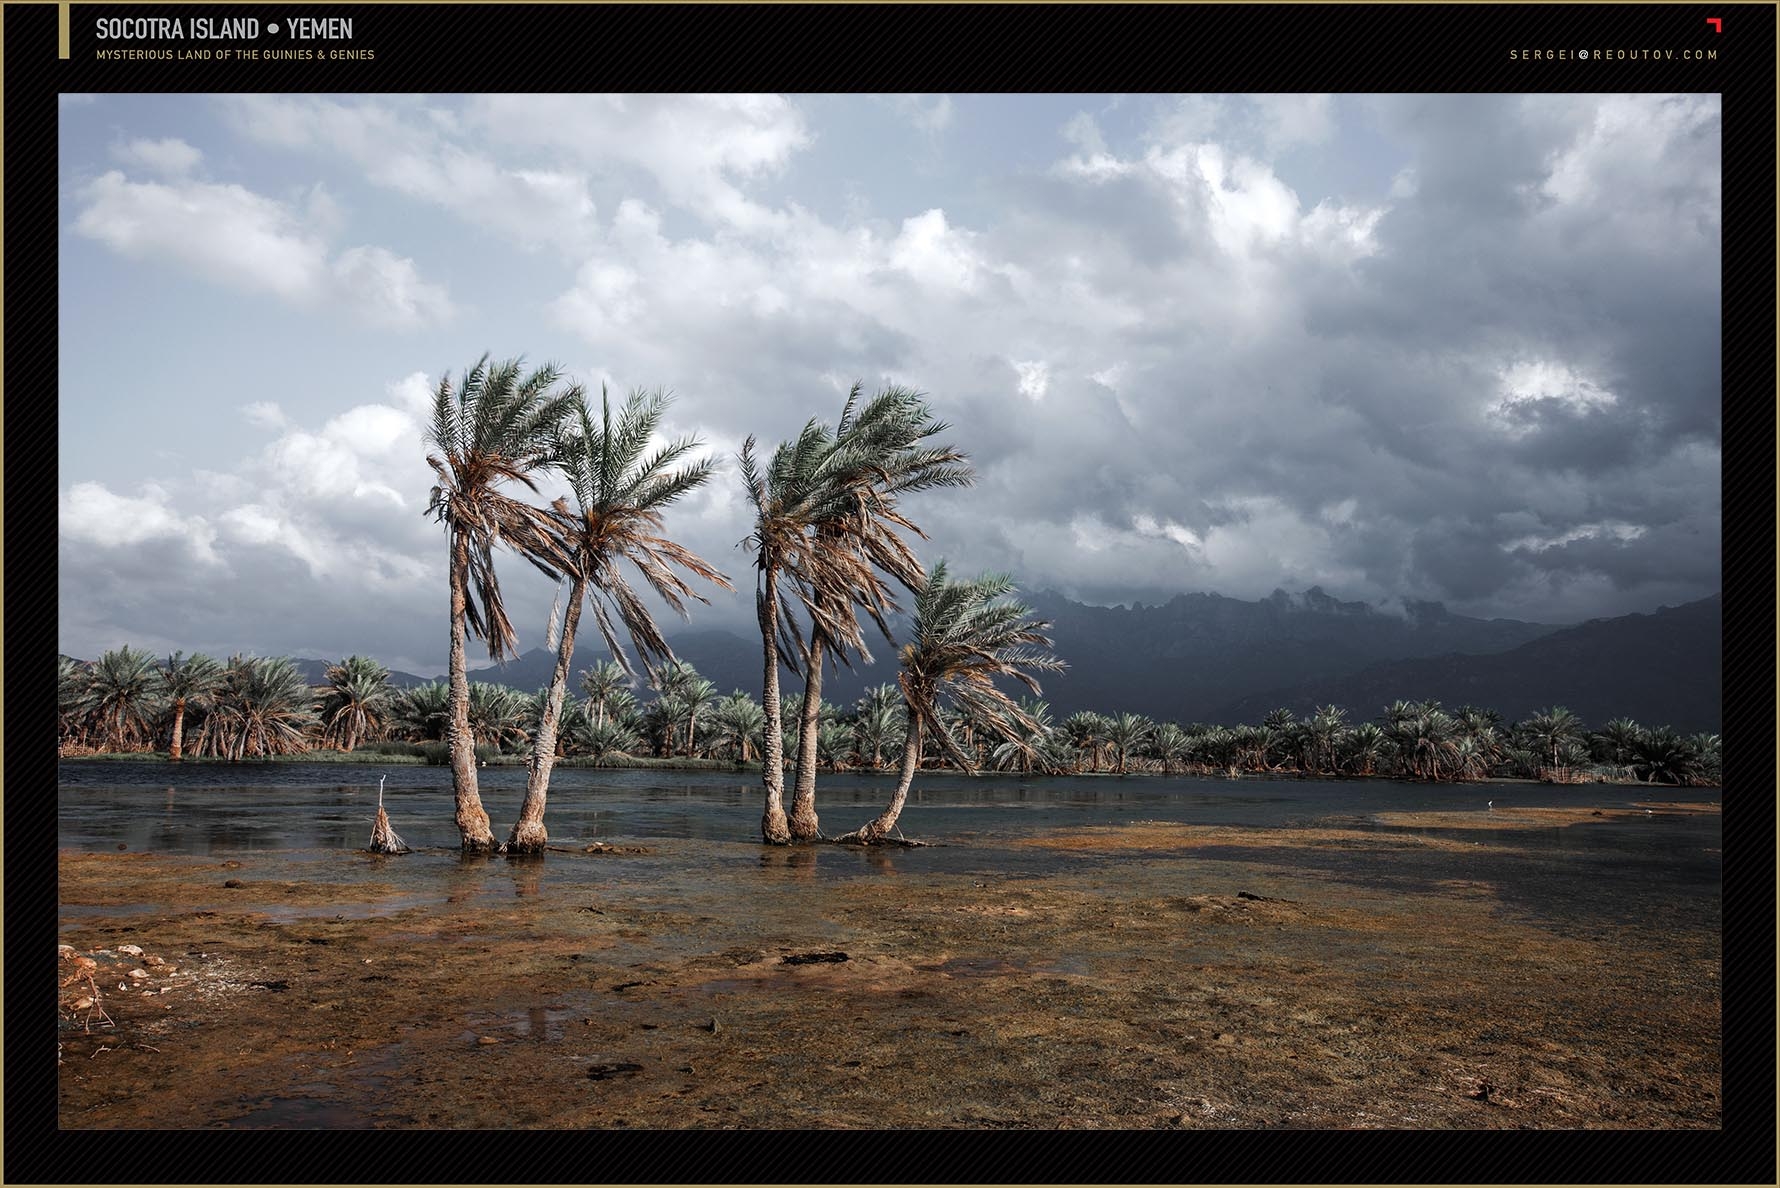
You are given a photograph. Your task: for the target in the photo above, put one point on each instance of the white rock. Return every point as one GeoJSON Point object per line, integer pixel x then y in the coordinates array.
{"type": "Point", "coordinates": [137, 975]}
{"type": "Point", "coordinates": [64, 952]}
{"type": "Point", "coordinates": [129, 950]}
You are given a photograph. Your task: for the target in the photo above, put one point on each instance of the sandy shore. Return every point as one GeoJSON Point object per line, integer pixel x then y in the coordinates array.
{"type": "Point", "coordinates": [1156, 976]}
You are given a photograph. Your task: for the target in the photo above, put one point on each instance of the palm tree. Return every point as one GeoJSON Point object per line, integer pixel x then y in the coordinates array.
{"type": "Point", "coordinates": [1086, 731]}
{"type": "Point", "coordinates": [879, 455]}
{"type": "Point", "coordinates": [834, 744]}
{"type": "Point", "coordinates": [187, 682]}
{"type": "Point", "coordinates": [120, 697]}
{"type": "Point", "coordinates": [878, 723]}
{"type": "Point", "coordinates": [422, 713]}
{"type": "Point", "coordinates": [497, 716]}
{"type": "Point", "coordinates": [1126, 734]}
{"type": "Point", "coordinates": [356, 706]}
{"type": "Point", "coordinates": [1035, 750]}
{"type": "Point", "coordinates": [600, 738]}
{"type": "Point", "coordinates": [262, 708]}
{"type": "Point", "coordinates": [496, 427]}
{"type": "Point", "coordinates": [736, 724]}
{"type": "Point", "coordinates": [1548, 730]}
{"type": "Point", "coordinates": [605, 683]}
{"type": "Point", "coordinates": [71, 698]}
{"type": "Point", "coordinates": [621, 489]}
{"type": "Point", "coordinates": [1366, 747]}
{"type": "Point", "coordinates": [1171, 745]}
{"type": "Point", "coordinates": [964, 635]}
{"type": "Point", "coordinates": [1615, 744]}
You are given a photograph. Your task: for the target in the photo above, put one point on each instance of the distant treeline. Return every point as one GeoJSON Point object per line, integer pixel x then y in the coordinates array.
{"type": "Point", "coordinates": [130, 701]}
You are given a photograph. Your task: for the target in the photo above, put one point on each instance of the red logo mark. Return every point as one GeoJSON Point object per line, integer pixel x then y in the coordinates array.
{"type": "Point", "coordinates": [1717, 24]}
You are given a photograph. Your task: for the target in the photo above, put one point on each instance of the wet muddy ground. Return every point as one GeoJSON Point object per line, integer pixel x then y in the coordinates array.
{"type": "Point", "coordinates": [1378, 974]}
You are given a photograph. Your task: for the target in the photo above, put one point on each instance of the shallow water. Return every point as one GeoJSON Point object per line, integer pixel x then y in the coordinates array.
{"type": "Point", "coordinates": [1657, 867]}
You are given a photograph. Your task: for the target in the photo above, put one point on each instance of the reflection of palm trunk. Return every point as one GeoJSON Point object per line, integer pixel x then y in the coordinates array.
{"type": "Point", "coordinates": [804, 825]}
{"type": "Point", "coordinates": [472, 820]}
{"type": "Point", "coordinates": [911, 759]}
{"type": "Point", "coordinates": [529, 835]}
{"type": "Point", "coordinates": [773, 827]}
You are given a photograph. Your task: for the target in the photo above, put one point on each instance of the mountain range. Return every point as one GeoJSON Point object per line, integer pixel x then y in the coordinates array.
{"type": "Point", "coordinates": [1205, 657]}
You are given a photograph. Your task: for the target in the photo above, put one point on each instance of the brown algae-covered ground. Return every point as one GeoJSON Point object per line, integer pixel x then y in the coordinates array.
{"type": "Point", "coordinates": [1157, 975]}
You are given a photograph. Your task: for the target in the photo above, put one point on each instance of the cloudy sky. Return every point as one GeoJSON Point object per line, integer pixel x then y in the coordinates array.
{"type": "Point", "coordinates": [1452, 347]}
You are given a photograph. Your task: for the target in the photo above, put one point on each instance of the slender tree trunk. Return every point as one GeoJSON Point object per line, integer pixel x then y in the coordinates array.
{"type": "Point", "coordinates": [176, 749]}
{"type": "Point", "coordinates": [472, 819]}
{"type": "Point", "coordinates": [529, 835]}
{"type": "Point", "coordinates": [886, 821]}
{"type": "Point", "coordinates": [804, 826]}
{"type": "Point", "coordinates": [773, 827]}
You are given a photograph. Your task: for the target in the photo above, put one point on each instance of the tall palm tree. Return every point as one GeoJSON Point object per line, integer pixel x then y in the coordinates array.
{"type": "Point", "coordinates": [121, 698]}
{"type": "Point", "coordinates": [881, 454]}
{"type": "Point", "coordinates": [187, 683]}
{"type": "Point", "coordinates": [964, 636]}
{"type": "Point", "coordinates": [621, 489]}
{"type": "Point", "coordinates": [356, 706]}
{"type": "Point", "coordinates": [604, 684]}
{"type": "Point", "coordinates": [498, 426]}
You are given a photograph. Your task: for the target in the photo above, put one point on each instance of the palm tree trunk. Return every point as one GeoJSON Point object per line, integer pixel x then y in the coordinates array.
{"type": "Point", "coordinates": [773, 828]}
{"type": "Point", "coordinates": [529, 835]}
{"type": "Point", "coordinates": [472, 819]}
{"type": "Point", "coordinates": [176, 749]}
{"type": "Point", "coordinates": [804, 826]}
{"type": "Point", "coordinates": [886, 821]}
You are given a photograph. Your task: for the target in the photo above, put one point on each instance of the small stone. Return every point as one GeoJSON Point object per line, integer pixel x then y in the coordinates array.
{"type": "Point", "coordinates": [137, 975]}
{"type": "Point", "coordinates": [713, 1027]}
{"type": "Point", "coordinates": [486, 1040]}
{"type": "Point", "coordinates": [129, 950]}
{"type": "Point", "coordinates": [164, 989]}
{"type": "Point", "coordinates": [1224, 1037]}
{"type": "Point", "coordinates": [65, 952]}
{"type": "Point", "coordinates": [231, 882]}
{"type": "Point", "coordinates": [85, 964]}
{"type": "Point", "coordinates": [153, 961]}
{"type": "Point", "coordinates": [81, 1004]}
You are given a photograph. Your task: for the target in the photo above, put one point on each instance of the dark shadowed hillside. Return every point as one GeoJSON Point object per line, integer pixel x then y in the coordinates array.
{"type": "Point", "coordinates": [1659, 669]}
{"type": "Point", "coordinates": [1183, 660]}
{"type": "Point", "coordinates": [1191, 656]}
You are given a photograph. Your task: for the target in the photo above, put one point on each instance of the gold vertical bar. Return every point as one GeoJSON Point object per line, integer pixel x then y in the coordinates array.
{"type": "Point", "coordinates": [62, 29]}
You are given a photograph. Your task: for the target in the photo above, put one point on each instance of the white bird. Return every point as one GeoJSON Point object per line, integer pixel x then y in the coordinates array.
{"type": "Point", "coordinates": [1492, 806]}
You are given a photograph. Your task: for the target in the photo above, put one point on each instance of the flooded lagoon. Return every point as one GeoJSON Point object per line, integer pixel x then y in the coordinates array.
{"type": "Point", "coordinates": [1139, 952]}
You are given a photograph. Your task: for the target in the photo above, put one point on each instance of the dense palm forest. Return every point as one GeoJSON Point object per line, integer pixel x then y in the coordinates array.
{"type": "Point", "coordinates": [129, 701]}
{"type": "Point", "coordinates": [834, 551]}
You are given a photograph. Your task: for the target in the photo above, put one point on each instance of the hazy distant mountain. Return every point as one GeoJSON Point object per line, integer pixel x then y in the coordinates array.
{"type": "Point", "coordinates": [1658, 669]}
{"type": "Point", "coordinates": [1187, 658]}
{"type": "Point", "coordinates": [1183, 660]}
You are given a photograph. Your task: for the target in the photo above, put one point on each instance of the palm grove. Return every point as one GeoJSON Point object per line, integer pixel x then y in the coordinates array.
{"type": "Point", "coordinates": [831, 543]}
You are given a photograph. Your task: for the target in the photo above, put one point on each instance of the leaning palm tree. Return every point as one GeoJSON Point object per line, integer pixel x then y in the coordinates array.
{"type": "Point", "coordinates": [621, 488]}
{"type": "Point", "coordinates": [187, 683]}
{"type": "Point", "coordinates": [496, 427]}
{"type": "Point", "coordinates": [964, 636]}
{"type": "Point", "coordinates": [881, 452]}
{"type": "Point", "coordinates": [356, 706]}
